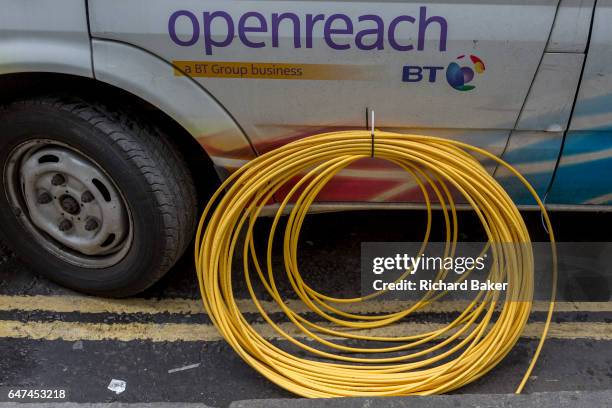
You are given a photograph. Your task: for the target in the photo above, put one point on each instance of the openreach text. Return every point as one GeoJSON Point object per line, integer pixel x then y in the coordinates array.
{"type": "Point", "coordinates": [340, 32]}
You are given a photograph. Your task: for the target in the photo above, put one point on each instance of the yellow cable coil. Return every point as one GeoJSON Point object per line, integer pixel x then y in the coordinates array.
{"type": "Point", "coordinates": [431, 362]}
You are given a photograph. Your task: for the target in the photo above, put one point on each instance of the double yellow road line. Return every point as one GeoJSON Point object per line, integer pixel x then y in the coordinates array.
{"type": "Point", "coordinates": [160, 332]}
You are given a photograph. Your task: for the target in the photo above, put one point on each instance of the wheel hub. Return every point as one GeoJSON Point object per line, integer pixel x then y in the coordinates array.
{"type": "Point", "coordinates": [70, 204]}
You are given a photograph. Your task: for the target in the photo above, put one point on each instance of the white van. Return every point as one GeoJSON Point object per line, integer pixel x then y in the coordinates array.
{"type": "Point", "coordinates": [119, 116]}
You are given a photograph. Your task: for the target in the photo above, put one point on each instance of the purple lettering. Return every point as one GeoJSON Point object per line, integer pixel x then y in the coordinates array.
{"type": "Point", "coordinates": [433, 72]}
{"type": "Point", "coordinates": [379, 32]}
{"type": "Point", "coordinates": [310, 23]}
{"type": "Point", "coordinates": [392, 31]}
{"type": "Point", "coordinates": [424, 22]}
{"type": "Point", "coordinates": [209, 43]}
{"type": "Point", "coordinates": [339, 31]}
{"type": "Point", "coordinates": [329, 31]}
{"type": "Point", "coordinates": [262, 27]}
{"type": "Point", "coordinates": [276, 20]}
{"type": "Point", "coordinates": [412, 74]}
{"type": "Point", "coordinates": [195, 33]}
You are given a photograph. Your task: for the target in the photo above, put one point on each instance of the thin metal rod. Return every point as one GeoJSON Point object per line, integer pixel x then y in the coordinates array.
{"type": "Point", "coordinates": [372, 131]}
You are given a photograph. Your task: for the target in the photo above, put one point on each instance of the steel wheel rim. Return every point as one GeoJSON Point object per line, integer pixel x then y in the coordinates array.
{"type": "Point", "coordinates": [69, 204]}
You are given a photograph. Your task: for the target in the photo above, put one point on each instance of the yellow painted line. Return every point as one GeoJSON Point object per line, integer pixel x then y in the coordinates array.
{"type": "Point", "coordinates": [87, 304]}
{"type": "Point", "coordinates": [73, 331]}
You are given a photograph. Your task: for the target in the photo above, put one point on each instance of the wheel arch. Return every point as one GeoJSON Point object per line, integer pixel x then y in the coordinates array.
{"type": "Point", "coordinates": [155, 80]}
{"type": "Point", "coordinates": [24, 85]}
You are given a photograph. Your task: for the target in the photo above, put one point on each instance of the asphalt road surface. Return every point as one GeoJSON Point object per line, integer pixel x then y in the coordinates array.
{"type": "Point", "coordinates": [162, 346]}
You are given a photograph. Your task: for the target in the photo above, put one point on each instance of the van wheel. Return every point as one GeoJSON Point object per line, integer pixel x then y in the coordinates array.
{"type": "Point", "coordinates": [92, 198]}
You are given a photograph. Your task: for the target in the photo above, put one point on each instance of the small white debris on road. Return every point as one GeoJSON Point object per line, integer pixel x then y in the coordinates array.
{"type": "Point", "coordinates": [117, 386]}
{"type": "Point", "coordinates": [187, 367]}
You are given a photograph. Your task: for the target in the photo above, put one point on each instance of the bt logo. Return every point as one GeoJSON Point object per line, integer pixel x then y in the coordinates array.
{"type": "Point", "coordinates": [457, 76]}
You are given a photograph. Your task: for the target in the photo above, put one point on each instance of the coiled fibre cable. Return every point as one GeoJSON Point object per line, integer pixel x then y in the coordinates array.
{"type": "Point", "coordinates": [430, 362]}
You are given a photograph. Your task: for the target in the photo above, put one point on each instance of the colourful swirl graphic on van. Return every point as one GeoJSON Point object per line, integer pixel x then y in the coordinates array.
{"type": "Point", "coordinates": [460, 76]}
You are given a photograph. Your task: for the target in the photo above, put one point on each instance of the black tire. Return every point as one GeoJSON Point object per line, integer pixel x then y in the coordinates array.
{"type": "Point", "coordinates": [146, 169]}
